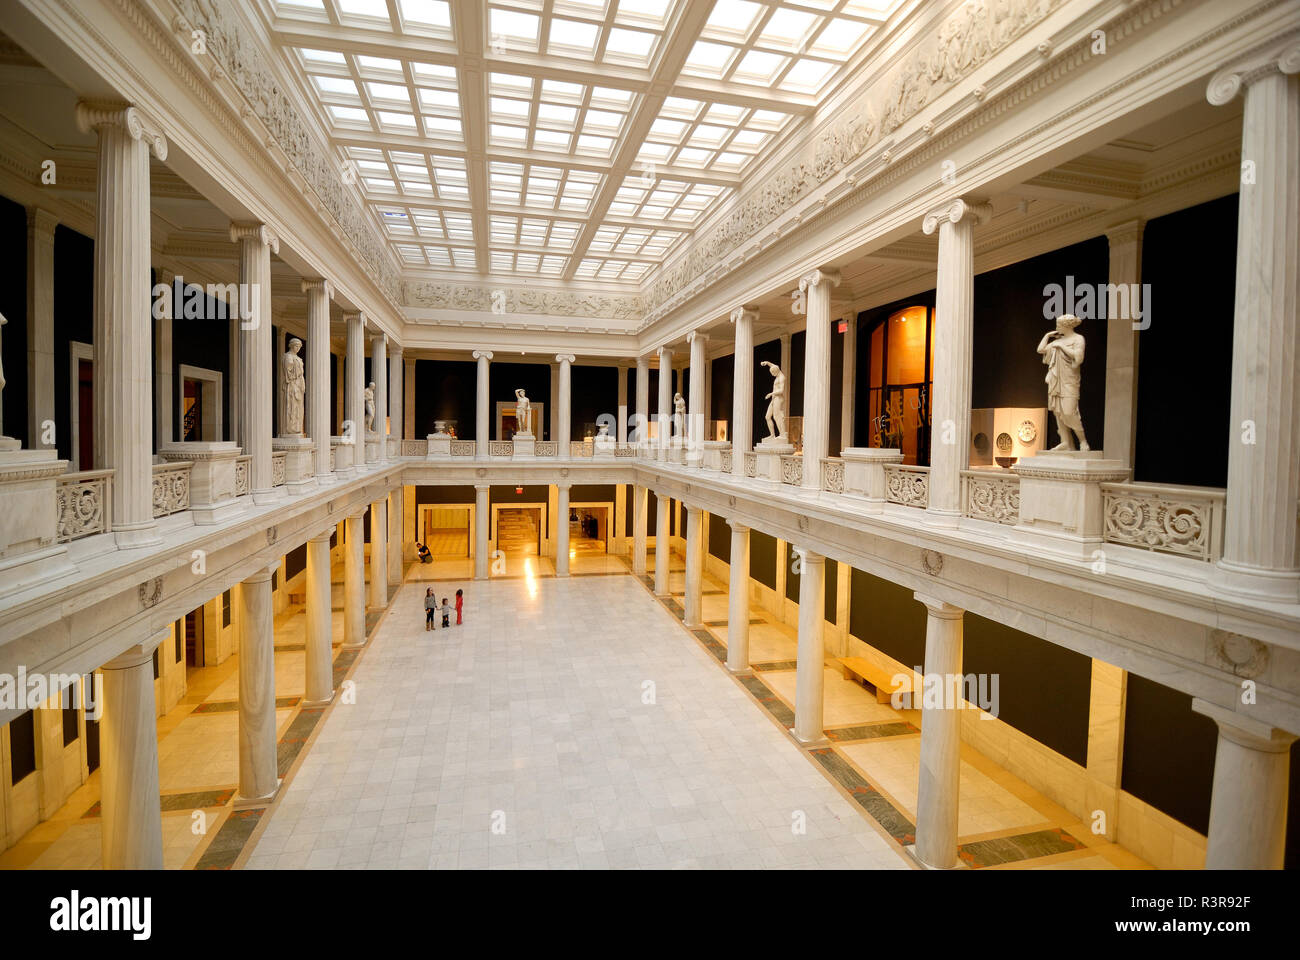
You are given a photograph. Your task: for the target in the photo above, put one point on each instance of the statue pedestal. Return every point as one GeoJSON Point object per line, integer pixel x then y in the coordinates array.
{"type": "Point", "coordinates": [524, 446]}
{"type": "Point", "coordinates": [713, 453]}
{"type": "Point", "coordinates": [864, 472]}
{"type": "Point", "coordinates": [343, 452]}
{"type": "Point", "coordinates": [374, 447]}
{"type": "Point", "coordinates": [299, 463]}
{"type": "Point", "coordinates": [29, 522]}
{"type": "Point", "coordinates": [212, 477]}
{"type": "Point", "coordinates": [603, 447]}
{"type": "Point", "coordinates": [1061, 502]}
{"type": "Point", "coordinates": [439, 446]}
{"type": "Point", "coordinates": [769, 454]}
{"type": "Point", "coordinates": [677, 450]}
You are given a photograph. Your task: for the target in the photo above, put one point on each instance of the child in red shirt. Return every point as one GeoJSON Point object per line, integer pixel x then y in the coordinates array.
{"type": "Point", "coordinates": [460, 603]}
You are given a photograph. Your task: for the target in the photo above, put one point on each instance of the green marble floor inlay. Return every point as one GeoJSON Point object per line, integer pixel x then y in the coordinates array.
{"type": "Point", "coordinates": [227, 706]}
{"type": "Point", "coordinates": [295, 738]}
{"type": "Point", "coordinates": [1024, 846]}
{"type": "Point", "coordinates": [896, 824]}
{"type": "Point", "coordinates": [871, 731]}
{"type": "Point", "coordinates": [776, 665]}
{"type": "Point", "coordinates": [229, 842]}
{"type": "Point", "coordinates": [711, 643]}
{"type": "Point", "coordinates": [770, 701]}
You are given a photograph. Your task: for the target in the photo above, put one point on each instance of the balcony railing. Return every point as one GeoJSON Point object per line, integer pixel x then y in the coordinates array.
{"type": "Point", "coordinates": [277, 469]}
{"type": "Point", "coordinates": [171, 487]}
{"type": "Point", "coordinates": [84, 503]}
{"type": "Point", "coordinates": [463, 448]}
{"type": "Point", "coordinates": [1186, 521]}
{"type": "Point", "coordinates": [546, 448]}
{"type": "Point", "coordinates": [244, 474]}
{"type": "Point", "coordinates": [726, 461]}
{"type": "Point", "coordinates": [501, 448]}
{"type": "Point", "coordinates": [580, 448]}
{"type": "Point", "coordinates": [751, 464]}
{"type": "Point", "coordinates": [415, 448]}
{"type": "Point", "coordinates": [792, 470]}
{"type": "Point", "coordinates": [991, 496]}
{"type": "Point", "coordinates": [907, 485]}
{"type": "Point", "coordinates": [833, 474]}
{"type": "Point", "coordinates": [625, 450]}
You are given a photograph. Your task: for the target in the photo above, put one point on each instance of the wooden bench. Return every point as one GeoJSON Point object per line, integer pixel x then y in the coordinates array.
{"type": "Point", "coordinates": [883, 680]}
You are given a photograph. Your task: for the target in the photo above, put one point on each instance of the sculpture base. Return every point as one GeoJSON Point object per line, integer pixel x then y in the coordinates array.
{"type": "Point", "coordinates": [439, 446]}
{"type": "Point", "coordinates": [212, 477]}
{"type": "Point", "coordinates": [343, 452]}
{"type": "Point", "coordinates": [299, 463]}
{"type": "Point", "coordinates": [29, 551]}
{"type": "Point", "coordinates": [523, 447]}
{"type": "Point", "coordinates": [1061, 503]}
{"type": "Point", "coordinates": [768, 458]}
{"type": "Point", "coordinates": [603, 448]}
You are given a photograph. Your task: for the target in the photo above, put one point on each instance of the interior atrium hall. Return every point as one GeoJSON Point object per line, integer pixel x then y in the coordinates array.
{"type": "Point", "coordinates": [599, 434]}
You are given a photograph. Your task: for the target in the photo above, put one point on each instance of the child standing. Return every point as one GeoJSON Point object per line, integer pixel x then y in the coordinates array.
{"type": "Point", "coordinates": [446, 612]}
{"type": "Point", "coordinates": [460, 605]}
{"type": "Point", "coordinates": [430, 607]}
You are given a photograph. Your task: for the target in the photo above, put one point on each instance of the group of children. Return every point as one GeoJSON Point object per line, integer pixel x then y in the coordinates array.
{"type": "Point", "coordinates": [431, 608]}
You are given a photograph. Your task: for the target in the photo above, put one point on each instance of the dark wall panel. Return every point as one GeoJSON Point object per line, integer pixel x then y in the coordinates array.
{"type": "Point", "coordinates": [589, 492]}
{"type": "Point", "coordinates": [762, 558]}
{"type": "Point", "coordinates": [720, 398]}
{"type": "Point", "coordinates": [593, 393]}
{"type": "Point", "coordinates": [74, 320]}
{"type": "Point", "coordinates": [503, 380]}
{"type": "Point", "coordinates": [887, 616]}
{"type": "Point", "coordinates": [295, 561]}
{"type": "Point", "coordinates": [1168, 752]}
{"type": "Point", "coordinates": [13, 341]}
{"type": "Point", "coordinates": [445, 390]}
{"type": "Point", "coordinates": [719, 537]}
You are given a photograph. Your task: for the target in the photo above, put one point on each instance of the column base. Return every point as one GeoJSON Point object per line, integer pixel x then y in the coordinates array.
{"type": "Point", "coordinates": [821, 741]}
{"type": "Point", "coordinates": [270, 495]}
{"type": "Point", "coordinates": [1236, 580]}
{"type": "Point", "coordinates": [137, 535]}
{"type": "Point", "coordinates": [216, 513]}
{"type": "Point", "coordinates": [741, 672]}
{"type": "Point", "coordinates": [320, 703]}
{"type": "Point", "coordinates": [960, 864]}
{"type": "Point", "coordinates": [244, 803]}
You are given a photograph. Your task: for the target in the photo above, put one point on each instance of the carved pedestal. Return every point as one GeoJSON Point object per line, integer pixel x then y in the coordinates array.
{"type": "Point", "coordinates": [677, 450]}
{"type": "Point", "coordinates": [769, 460]}
{"type": "Point", "coordinates": [212, 477]}
{"type": "Point", "coordinates": [864, 473]}
{"type": "Point", "coordinates": [1061, 500]}
{"type": "Point", "coordinates": [524, 447]}
{"type": "Point", "coordinates": [29, 520]}
{"type": "Point", "coordinates": [603, 447]}
{"type": "Point", "coordinates": [713, 450]}
{"type": "Point", "coordinates": [343, 451]}
{"type": "Point", "coordinates": [299, 463]}
{"type": "Point", "coordinates": [439, 446]}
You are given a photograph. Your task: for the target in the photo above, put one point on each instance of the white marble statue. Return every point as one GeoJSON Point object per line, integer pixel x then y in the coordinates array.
{"type": "Point", "coordinates": [679, 413]}
{"type": "Point", "coordinates": [523, 415]}
{"type": "Point", "coordinates": [1062, 351]}
{"type": "Point", "coordinates": [775, 415]}
{"type": "Point", "coordinates": [295, 389]}
{"type": "Point", "coordinates": [370, 407]}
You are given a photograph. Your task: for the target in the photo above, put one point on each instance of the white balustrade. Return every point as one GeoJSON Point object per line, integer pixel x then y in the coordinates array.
{"type": "Point", "coordinates": [83, 503]}
{"type": "Point", "coordinates": [991, 496]}
{"type": "Point", "coordinates": [1186, 521]}
{"type": "Point", "coordinates": [833, 474]}
{"type": "Point", "coordinates": [908, 485]}
{"type": "Point", "coordinates": [171, 487]}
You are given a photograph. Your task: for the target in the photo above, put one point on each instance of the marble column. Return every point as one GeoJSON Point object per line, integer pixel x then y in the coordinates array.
{"type": "Point", "coordinates": [396, 396]}
{"type": "Point", "coordinates": [162, 362]}
{"type": "Point", "coordinates": [408, 399]}
{"type": "Point", "coordinates": [379, 376]}
{"type": "Point", "coordinates": [256, 243]}
{"type": "Point", "coordinates": [565, 361]}
{"type": "Point", "coordinates": [785, 359]}
{"type": "Point", "coordinates": [817, 374]}
{"type": "Point", "coordinates": [319, 655]}
{"type": "Point", "coordinates": [123, 379]}
{"type": "Point", "coordinates": [482, 411]}
{"type": "Point", "coordinates": [354, 580]}
{"type": "Point", "coordinates": [937, 789]}
{"type": "Point", "coordinates": [396, 505]}
{"type": "Point", "coordinates": [1248, 803]}
{"type": "Point", "coordinates": [233, 386]}
{"type": "Point", "coordinates": [663, 549]}
{"type": "Point", "coordinates": [622, 403]}
{"type": "Point", "coordinates": [1119, 428]}
{"type": "Point", "coordinates": [695, 399]}
{"type": "Point", "coordinates": [131, 814]}
{"type": "Point", "coordinates": [665, 404]}
{"type": "Point", "coordinates": [319, 293]}
{"type": "Point", "coordinates": [562, 530]}
{"type": "Point", "coordinates": [738, 600]}
{"type": "Point", "coordinates": [642, 432]}
{"type": "Point", "coordinates": [1259, 544]}
{"type": "Point", "coordinates": [742, 389]}
{"type": "Point", "coordinates": [554, 421]}
{"type": "Point", "coordinates": [954, 321]}
{"type": "Point", "coordinates": [810, 679]}
{"type": "Point", "coordinates": [258, 776]}
{"type": "Point", "coordinates": [694, 601]}
{"type": "Point", "coordinates": [639, 504]}
{"type": "Point", "coordinates": [849, 390]}
{"type": "Point", "coordinates": [40, 323]}
{"type": "Point", "coordinates": [482, 528]}
{"type": "Point", "coordinates": [379, 553]}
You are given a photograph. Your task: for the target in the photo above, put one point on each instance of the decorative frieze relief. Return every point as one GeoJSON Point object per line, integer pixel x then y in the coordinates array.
{"type": "Point", "coordinates": [555, 303]}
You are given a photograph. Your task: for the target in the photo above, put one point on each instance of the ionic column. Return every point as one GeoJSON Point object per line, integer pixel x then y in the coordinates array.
{"type": "Point", "coordinates": [379, 553]}
{"type": "Point", "coordinates": [562, 529]}
{"type": "Point", "coordinates": [396, 395]}
{"type": "Point", "coordinates": [482, 524]}
{"type": "Point", "coordinates": [554, 431]}
{"type": "Point", "coordinates": [40, 322]}
{"type": "Point", "coordinates": [354, 580]}
{"type": "Point", "coordinates": [622, 403]}
{"type": "Point", "coordinates": [1259, 543]}
{"type": "Point", "coordinates": [319, 646]}
{"type": "Point", "coordinates": [379, 376]}
{"type": "Point", "coordinates": [565, 413]}
{"type": "Point", "coordinates": [785, 359]}
{"type": "Point", "coordinates": [742, 391]}
{"type": "Point", "coordinates": [1248, 805]}
{"type": "Point", "coordinates": [408, 398]}
{"type": "Point", "coordinates": [937, 790]}
{"type": "Point", "coordinates": [131, 821]}
{"type": "Point", "coordinates": [258, 776]}
{"type": "Point", "coordinates": [662, 545]}
{"type": "Point", "coordinates": [123, 379]}
{"type": "Point", "coordinates": [848, 395]}
{"type": "Point", "coordinates": [482, 415]}
{"type": "Point", "coordinates": [665, 403]}
{"type": "Point", "coordinates": [817, 374]}
{"type": "Point", "coordinates": [396, 507]}
{"type": "Point", "coordinates": [695, 399]}
{"type": "Point", "coordinates": [162, 357]}
{"type": "Point", "coordinates": [639, 505]}
{"type": "Point", "coordinates": [694, 602]}
{"type": "Point", "coordinates": [319, 293]}
{"type": "Point", "coordinates": [954, 321]}
{"type": "Point", "coordinates": [810, 679]}
{"type": "Point", "coordinates": [236, 392]}
{"type": "Point", "coordinates": [643, 401]}
{"type": "Point", "coordinates": [354, 403]}
{"type": "Point", "coordinates": [256, 242]}
{"type": "Point", "coordinates": [1120, 423]}
{"type": "Point", "coordinates": [738, 600]}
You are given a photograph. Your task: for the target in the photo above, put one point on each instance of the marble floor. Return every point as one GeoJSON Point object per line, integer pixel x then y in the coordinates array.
{"type": "Point", "coordinates": [570, 723]}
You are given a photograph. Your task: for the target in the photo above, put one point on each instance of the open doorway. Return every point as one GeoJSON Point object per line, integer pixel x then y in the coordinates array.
{"type": "Point", "coordinates": [194, 639]}
{"type": "Point", "coordinates": [445, 529]}
{"type": "Point", "coordinates": [589, 527]}
{"type": "Point", "coordinates": [519, 530]}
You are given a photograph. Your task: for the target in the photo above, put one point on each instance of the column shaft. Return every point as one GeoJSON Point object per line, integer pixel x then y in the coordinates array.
{"type": "Point", "coordinates": [622, 403]}
{"type": "Point", "coordinates": [255, 245]}
{"type": "Point", "coordinates": [638, 529]}
{"type": "Point", "coordinates": [742, 390]}
{"type": "Point", "coordinates": [738, 601]}
{"type": "Point", "coordinates": [354, 582]}
{"type": "Point", "coordinates": [396, 504]}
{"type": "Point", "coordinates": [482, 415]}
{"type": "Point", "coordinates": [131, 822]}
{"type": "Point", "coordinates": [937, 791]}
{"type": "Point", "coordinates": [695, 402]}
{"type": "Point", "coordinates": [258, 776]}
{"type": "Point", "coordinates": [665, 403]}
{"type": "Point", "coordinates": [1119, 428]}
{"type": "Point", "coordinates": [320, 628]}
{"type": "Point", "coordinates": [40, 323]}
{"type": "Point", "coordinates": [642, 432]}
{"type": "Point", "coordinates": [817, 375]}
{"type": "Point", "coordinates": [849, 389]}
{"type": "Point", "coordinates": [566, 407]}
{"type": "Point", "coordinates": [318, 373]}
{"type": "Point", "coordinates": [379, 553]}
{"type": "Point", "coordinates": [379, 376]}
{"type": "Point", "coordinates": [810, 676]}
{"type": "Point", "coordinates": [562, 529]}
{"type": "Point", "coordinates": [482, 529]}
{"type": "Point", "coordinates": [694, 568]}
{"type": "Point", "coordinates": [354, 400]}
{"type": "Point", "coordinates": [662, 549]}
{"type": "Point", "coordinates": [396, 396]}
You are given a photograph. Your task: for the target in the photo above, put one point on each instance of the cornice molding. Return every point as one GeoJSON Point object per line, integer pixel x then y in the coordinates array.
{"type": "Point", "coordinates": [500, 301]}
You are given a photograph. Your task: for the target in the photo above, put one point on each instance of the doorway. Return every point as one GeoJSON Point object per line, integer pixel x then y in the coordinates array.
{"type": "Point", "coordinates": [444, 529]}
{"type": "Point", "coordinates": [589, 527]}
{"type": "Point", "coordinates": [194, 638]}
{"type": "Point", "coordinates": [519, 531]}
{"type": "Point", "coordinates": [92, 727]}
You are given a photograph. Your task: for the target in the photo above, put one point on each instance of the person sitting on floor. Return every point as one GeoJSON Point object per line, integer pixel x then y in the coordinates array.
{"type": "Point", "coordinates": [426, 556]}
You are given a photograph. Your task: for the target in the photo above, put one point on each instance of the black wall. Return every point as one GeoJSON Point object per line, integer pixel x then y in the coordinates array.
{"type": "Point", "coordinates": [594, 393]}
{"type": "Point", "coordinates": [887, 616]}
{"type": "Point", "coordinates": [1168, 752]}
{"type": "Point", "coordinates": [719, 537]}
{"type": "Point", "coordinates": [13, 340]}
{"type": "Point", "coordinates": [720, 400]}
{"type": "Point", "coordinates": [765, 352]}
{"type": "Point", "coordinates": [295, 561]}
{"type": "Point", "coordinates": [762, 558]}
{"type": "Point", "coordinates": [503, 380]}
{"type": "Point", "coordinates": [446, 390]}
{"type": "Point", "coordinates": [74, 319]}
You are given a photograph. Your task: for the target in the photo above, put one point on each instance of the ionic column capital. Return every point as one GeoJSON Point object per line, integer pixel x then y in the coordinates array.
{"type": "Point", "coordinates": [1245, 731]}
{"type": "Point", "coordinates": [643, 363]}
{"type": "Point", "coordinates": [41, 224]}
{"type": "Point", "coordinates": [253, 232]}
{"type": "Point", "coordinates": [565, 358]}
{"type": "Point", "coordinates": [354, 318]}
{"type": "Point", "coordinates": [737, 526]}
{"type": "Point", "coordinates": [93, 115]}
{"type": "Point", "coordinates": [323, 537]}
{"type": "Point", "coordinates": [744, 313]}
{"type": "Point", "coordinates": [1130, 231]}
{"type": "Point", "coordinates": [939, 608]}
{"type": "Point", "coordinates": [815, 277]}
{"type": "Point", "coordinates": [1227, 83]}
{"type": "Point", "coordinates": [140, 653]}
{"type": "Point", "coordinates": [955, 211]}
{"type": "Point", "coordinates": [482, 354]}
{"type": "Point", "coordinates": [807, 557]}
{"type": "Point", "coordinates": [665, 355]}
{"type": "Point", "coordinates": [379, 339]}
{"type": "Point", "coordinates": [319, 285]}
{"type": "Point", "coordinates": [697, 335]}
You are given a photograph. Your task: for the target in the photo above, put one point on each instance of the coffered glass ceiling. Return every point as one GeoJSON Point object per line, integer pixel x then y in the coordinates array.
{"type": "Point", "coordinates": [561, 139]}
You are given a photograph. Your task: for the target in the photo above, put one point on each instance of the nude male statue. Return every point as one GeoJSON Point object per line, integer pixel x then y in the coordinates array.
{"type": "Point", "coordinates": [523, 415]}
{"type": "Point", "coordinates": [775, 415]}
{"type": "Point", "coordinates": [1062, 351]}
